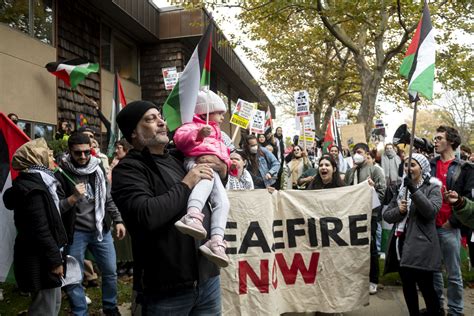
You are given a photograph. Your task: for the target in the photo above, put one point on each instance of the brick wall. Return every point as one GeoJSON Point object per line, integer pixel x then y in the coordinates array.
{"type": "Point", "coordinates": [78, 35]}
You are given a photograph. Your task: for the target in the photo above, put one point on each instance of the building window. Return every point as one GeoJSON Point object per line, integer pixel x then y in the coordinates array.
{"type": "Point", "coordinates": [33, 17]}
{"type": "Point", "coordinates": [36, 129]}
{"type": "Point", "coordinates": [119, 54]}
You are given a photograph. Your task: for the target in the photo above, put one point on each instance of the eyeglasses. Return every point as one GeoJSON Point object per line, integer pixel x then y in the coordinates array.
{"type": "Point", "coordinates": [438, 138]}
{"type": "Point", "coordinates": [80, 152]}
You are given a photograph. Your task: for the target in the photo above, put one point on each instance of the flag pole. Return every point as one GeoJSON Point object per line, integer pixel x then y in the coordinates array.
{"type": "Point", "coordinates": [234, 136]}
{"type": "Point", "coordinates": [412, 141]}
{"type": "Point", "coordinates": [87, 98]}
{"type": "Point", "coordinates": [304, 135]}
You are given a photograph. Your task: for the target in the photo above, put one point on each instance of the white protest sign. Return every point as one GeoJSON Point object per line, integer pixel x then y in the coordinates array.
{"type": "Point", "coordinates": [170, 77]}
{"type": "Point", "coordinates": [308, 123]}
{"type": "Point", "coordinates": [258, 122]}
{"type": "Point", "coordinates": [242, 113]}
{"type": "Point", "coordinates": [302, 103]}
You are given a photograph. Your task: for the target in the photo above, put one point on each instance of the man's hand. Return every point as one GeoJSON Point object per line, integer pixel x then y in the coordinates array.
{"type": "Point", "coordinates": [204, 132]}
{"type": "Point", "coordinates": [268, 176]}
{"type": "Point", "coordinates": [79, 190]}
{"type": "Point", "coordinates": [215, 163]}
{"type": "Point", "coordinates": [59, 271]}
{"type": "Point", "coordinates": [271, 189]}
{"type": "Point", "coordinates": [197, 173]}
{"type": "Point", "coordinates": [121, 231]}
{"type": "Point", "coordinates": [371, 182]}
{"type": "Point", "coordinates": [403, 206]}
{"type": "Point", "coordinates": [451, 197]}
{"type": "Point", "coordinates": [447, 225]}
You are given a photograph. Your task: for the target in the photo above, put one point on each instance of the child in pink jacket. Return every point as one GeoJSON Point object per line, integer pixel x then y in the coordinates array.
{"type": "Point", "coordinates": [196, 139]}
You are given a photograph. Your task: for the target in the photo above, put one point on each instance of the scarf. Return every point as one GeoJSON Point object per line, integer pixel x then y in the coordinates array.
{"type": "Point", "coordinates": [296, 167]}
{"type": "Point", "coordinates": [390, 166]}
{"type": "Point", "coordinates": [100, 190]}
{"type": "Point", "coordinates": [49, 180]}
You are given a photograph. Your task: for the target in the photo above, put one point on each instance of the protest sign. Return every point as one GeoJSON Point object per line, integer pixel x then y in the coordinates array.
{"type": "Point", "coordinates": [308, 123]}
{"type": "Point", "coordinates": [302, 103]}
{"type": "Point", "coordinates": [242, 113]}
{"type": "Point", "coordinates": [297, 251]}
{"type": "Point", "coordinates": [352, 134]}
{"type": "Point", "coordinates": [307, 139]}
{"type": "Point", "coordinates": [170, 77]}
{"type": "Point", "coordinates": [258, 122]}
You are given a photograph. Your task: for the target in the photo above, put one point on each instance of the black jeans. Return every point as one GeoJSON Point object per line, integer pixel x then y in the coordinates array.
{"type": "Point", "coordinates": [374, 254]}
{"type": "Point", "coordinates": [410, 278]}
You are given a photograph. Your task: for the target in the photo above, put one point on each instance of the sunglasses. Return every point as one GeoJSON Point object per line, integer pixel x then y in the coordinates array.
{"type": "Point", "coordinates": [80, 152]}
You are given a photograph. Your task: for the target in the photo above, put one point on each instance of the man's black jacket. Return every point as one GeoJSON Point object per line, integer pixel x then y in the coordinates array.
{"type": "Point", "coordinates": [150, 202]}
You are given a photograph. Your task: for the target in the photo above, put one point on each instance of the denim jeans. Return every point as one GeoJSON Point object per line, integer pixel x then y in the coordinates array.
{"type": "Point", "coordinates": [450, 242]}
{"type": "Point", "coordinates": [104, 254]}
{"type": "Point", "coordinates": [205, 299]}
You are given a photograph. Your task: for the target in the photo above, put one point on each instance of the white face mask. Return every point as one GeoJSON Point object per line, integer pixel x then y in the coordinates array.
{"type": "Point", "coordinates": [253, 149]}
{"type": "Point", "coordinates": [358, 159]}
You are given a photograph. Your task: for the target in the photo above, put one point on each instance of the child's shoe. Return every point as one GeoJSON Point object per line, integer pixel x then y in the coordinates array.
{"type": "Point", "coordinates": [191, 224]}
{"type": "Point", "coordinates": [214, 250]}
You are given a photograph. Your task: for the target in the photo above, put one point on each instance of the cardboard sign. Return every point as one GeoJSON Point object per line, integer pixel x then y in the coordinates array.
{"type": "Point", "coordinates": [295, 251]}
{"type": "Point", "coordinates": [258, 122]}
{"type": "Point", "coordinates": [309, 137]}
{"type": "Point", "coordinates": [242, 113]}
{"type": "Point", "coordinates": [302, 103]}
{"type": "Point", "coordinates": [170, 77]}
{"type": "Point", "coordinates": [352, 134]}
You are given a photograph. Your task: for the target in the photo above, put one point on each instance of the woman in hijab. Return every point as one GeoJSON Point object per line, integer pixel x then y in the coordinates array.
{"type": "Point", "coordinates": [328, 176]}
{"type": "Point", "coordinates": [414, 247]}
{"type": "Point", "coordinates": [37, 258]}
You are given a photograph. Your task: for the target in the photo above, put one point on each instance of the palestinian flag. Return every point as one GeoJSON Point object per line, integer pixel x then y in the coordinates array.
{"type": "Point", "coordinates": [179, 106]}
{"type": "Point", "coordinates": [332, 136]}
{"type": "Point", "coordinates": [11, 137]}
{"type": "Point", "coordinates": [118, 102]}
{"type": "Point", "coordinates": [418, 66]}
{"type": "Point", "coordinates": [72, 71]}
{"type": "Point", "coordinates": [81, 120]}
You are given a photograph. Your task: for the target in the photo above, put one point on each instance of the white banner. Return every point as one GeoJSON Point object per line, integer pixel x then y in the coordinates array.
{"type": "Point", "coordinates": [297, 251]}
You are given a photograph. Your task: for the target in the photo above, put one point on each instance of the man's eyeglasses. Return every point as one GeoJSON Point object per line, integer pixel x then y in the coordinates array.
{"type": "Point", "coordinates": [438, 138]}
{"type": "Point", "coordinates": [80, 152]}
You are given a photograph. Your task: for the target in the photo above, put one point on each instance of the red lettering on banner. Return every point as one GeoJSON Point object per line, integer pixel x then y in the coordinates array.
{"type": "Point", "coordinates": [260, 282]}
{"type": "Point", "coordinates": [290, 274]}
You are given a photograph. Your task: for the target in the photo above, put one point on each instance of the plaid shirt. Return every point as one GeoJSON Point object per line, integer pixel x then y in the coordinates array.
{"type": "Point", "coordinates": [244, 183]}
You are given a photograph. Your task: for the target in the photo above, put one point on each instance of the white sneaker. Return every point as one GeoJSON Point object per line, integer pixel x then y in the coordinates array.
{"type": "Point", "coordinates": [88, 300]}
{"type": "Point", "coordinates": [372, 288]}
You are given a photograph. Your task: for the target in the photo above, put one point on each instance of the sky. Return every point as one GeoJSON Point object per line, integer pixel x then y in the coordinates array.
{"type": "Point", "coordinates": [391, 117]}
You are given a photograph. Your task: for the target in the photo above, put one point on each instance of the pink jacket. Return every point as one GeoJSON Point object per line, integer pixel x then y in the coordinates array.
{"type": "Point", "coordinates": [186, 141]}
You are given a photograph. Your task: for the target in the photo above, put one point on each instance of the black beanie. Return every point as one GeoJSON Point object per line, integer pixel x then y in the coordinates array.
{"type": "Point", "coordinates": [130, 115]}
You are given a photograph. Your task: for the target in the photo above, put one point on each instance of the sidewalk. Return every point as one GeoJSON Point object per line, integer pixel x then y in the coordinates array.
{"type": "Point", "coordinates": [388, 301]}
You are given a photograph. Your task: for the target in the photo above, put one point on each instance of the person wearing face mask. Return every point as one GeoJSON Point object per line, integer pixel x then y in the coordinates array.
{"type": "Point", "coordinates": [263, 166]}
{"type": "Point", "coordinates": [295, 168]}
{"type": "Point", "coordinates": [390, 164]}
{"type": "Point", "coordinates": [243, 179]}
{"type": "Point", "coordinates": [361, 171]}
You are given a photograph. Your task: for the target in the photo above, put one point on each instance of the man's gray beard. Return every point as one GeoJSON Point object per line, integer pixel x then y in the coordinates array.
{"type": "Point", "coordinates": [151, 142]}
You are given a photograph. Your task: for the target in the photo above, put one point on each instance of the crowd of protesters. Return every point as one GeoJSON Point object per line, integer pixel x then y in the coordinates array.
{"type": "Point", "coordinates": [155, 191]}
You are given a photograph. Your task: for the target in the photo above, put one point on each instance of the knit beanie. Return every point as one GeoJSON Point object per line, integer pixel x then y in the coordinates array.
{"type": "Point", "coordinates": [129, 116]}
{"type": "Point", "coordinates": [423, 162]}
{"type": "Point", "coordinates": [209, 98]}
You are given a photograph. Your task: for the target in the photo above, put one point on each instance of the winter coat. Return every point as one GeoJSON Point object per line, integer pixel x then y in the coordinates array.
{"type": "Point", "coordinates": [151, 200]}
{"type": "Point", "coordinates": [40, 233]}
{"type": "Point", "coordinates": [465, 213]}
{"type": "Point", "coordinates": [186, 140]}
{"type": "Point", "coordinates": [421, 248]}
